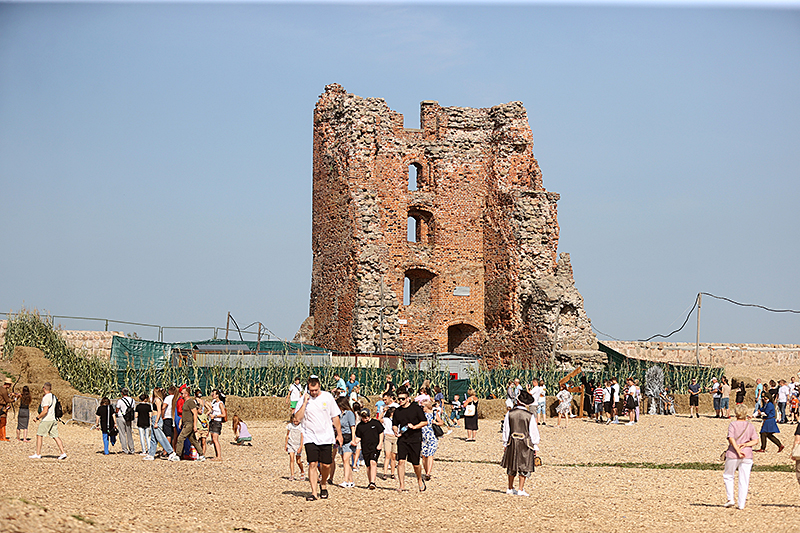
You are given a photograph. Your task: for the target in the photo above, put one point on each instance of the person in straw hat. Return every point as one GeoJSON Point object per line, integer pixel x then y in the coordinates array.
{"type": "Point", "coordinates": [520, 442]}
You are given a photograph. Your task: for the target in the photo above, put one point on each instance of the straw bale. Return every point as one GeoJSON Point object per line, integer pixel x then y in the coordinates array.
{"type": "Point", "coordinates": [34, 369]}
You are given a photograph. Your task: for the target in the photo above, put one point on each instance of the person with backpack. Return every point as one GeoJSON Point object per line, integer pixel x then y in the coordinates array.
{"type": "Point", "coordinates": [49, 416]}
{"type": "Point", "coordinates": [126, 410]}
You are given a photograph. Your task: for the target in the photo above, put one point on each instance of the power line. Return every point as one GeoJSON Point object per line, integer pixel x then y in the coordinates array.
{"type": "Point", "coordinates": [752, 305]}
{"type": "Point", "coordinates": [606, 334]}
{"type": "Point", "coordinates": [677, 330]}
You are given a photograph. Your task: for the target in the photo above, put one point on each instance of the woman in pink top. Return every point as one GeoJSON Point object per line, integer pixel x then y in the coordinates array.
{"type": "Point", "coordinates": [742, 436]}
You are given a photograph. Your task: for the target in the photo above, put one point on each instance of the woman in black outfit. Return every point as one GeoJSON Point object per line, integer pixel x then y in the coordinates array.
{"type": "Point", "coordinates": [471, 422]}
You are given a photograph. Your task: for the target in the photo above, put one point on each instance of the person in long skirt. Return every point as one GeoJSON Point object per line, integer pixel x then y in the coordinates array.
{"type": "Point", "coordinates": [520, 442]}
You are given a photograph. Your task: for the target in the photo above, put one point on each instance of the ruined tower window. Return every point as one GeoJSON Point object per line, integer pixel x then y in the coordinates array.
{"type": "Point", "coordinates": [420, 226]}
{"type": "Point", "coordinates": [463, 338]}
{"type": "Point", "coordinates": [414, 173]}
{"type": "Point", "coordinates": [420, 288]}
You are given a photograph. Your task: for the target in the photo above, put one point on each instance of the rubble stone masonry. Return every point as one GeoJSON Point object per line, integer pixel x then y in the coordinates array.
{"type": "Point", "coordinates": [455, 212]}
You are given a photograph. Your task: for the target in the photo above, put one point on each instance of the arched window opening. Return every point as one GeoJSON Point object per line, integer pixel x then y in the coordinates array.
{"type": "Point", "coordinates": [407, 291]}
{"type": "Point", "coordinates": [420, 288]}
{"type": "Point", "coordinates": [413, 227]}
{"type": "Point", "coordinates": [420, 226]}
{"type": "Point", "coordinates": [414, 175]}
{"type": "Point", "coordinates": [463, 338]}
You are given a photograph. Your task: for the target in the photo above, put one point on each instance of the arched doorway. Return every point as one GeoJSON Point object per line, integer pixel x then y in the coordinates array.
{"type": "Point", "coordinates": [463, 338]}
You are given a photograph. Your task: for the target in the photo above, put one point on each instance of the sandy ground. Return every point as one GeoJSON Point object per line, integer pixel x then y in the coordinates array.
{"type": "Point", "coordinates": [250, 490]}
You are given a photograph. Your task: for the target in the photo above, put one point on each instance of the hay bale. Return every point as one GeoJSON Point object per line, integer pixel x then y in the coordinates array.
{"type": "Point", "coordinates": [34, 370]}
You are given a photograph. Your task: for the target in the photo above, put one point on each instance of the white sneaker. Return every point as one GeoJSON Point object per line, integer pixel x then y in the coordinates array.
{"type": "Point", "coordinates": [148, 457]}
{"type": "Point", "coordinates": [449, 431]}
{"type": "Point", "coordinates": [200, 458]}
{"type": "Point", "coordinates": [174, 457]}
{"type": "Point", "coordinates": [34, 456]}
{"type": "Point", "coordinates": [630, 423]}
{"type": "Point", "coordinates": [344, 484]}
{"type": "Point", "coordinates": [730, 504]}
{"type": "Point", "coordinates": [522, 493]}
{"type": "Point", "coordinates": [62, 457]}
{"type": "Point", "coordinates": [511, 492]}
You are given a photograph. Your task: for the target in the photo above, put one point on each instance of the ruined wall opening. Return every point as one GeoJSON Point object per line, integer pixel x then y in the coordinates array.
{"type": "Point", "coordinates": [418, 288]}
{"type": "Point", "coordinates": [420, 226]}
{"type": "Point", "coordinates": [463, 338]}
{"type": "Point", "coordinates": [414, 176]}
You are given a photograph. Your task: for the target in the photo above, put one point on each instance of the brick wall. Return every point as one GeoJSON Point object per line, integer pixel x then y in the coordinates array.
{"type": "Point", "coordinates": [484, 272]}
{"type": "Point", "coordinates": [94, 342]}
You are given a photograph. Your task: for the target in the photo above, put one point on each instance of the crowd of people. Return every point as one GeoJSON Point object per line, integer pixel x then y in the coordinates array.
{"type": "Point", "coordinates": [403, 427]}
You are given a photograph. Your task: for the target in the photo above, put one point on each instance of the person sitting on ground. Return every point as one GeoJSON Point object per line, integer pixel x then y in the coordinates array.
{"type": "Point", "coordinates": [240, 432]}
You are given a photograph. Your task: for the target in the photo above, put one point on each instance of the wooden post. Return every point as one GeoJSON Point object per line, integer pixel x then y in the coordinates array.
{"type": "Point", "coordinates": [227, 326]}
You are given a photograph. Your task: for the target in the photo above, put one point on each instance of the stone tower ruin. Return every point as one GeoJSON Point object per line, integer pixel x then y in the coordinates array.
{"type": "Point", "coordinates": [438, 239]}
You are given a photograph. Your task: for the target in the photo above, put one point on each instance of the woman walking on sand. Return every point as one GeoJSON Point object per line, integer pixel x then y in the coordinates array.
{"type": "Point", "coordinates": [739, 456]}
{"type": "Point", "coordinates": [429, 441]}
{"type": "Point", "coordinates": [471, 415]}
{"type": "Point", "coordinates": [769, 427]}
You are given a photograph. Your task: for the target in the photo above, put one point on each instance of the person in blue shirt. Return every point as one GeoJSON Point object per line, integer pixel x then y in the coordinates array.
{"type": "Point", "coordinates": [340, 386]}
{"type": "Point", "coordinates": [769, 427]}
{"type": "Point", "coordinates": [352, 382]}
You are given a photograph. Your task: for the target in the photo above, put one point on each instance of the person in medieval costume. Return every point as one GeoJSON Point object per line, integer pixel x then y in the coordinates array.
{"type": "Point", "coordinates": [520, 442]}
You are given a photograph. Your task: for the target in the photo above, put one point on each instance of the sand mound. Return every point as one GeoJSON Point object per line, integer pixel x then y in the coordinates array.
{"type": "Point", "coordinates": [34, 369]}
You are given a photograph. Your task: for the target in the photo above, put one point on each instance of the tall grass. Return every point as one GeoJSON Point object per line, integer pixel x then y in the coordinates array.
{"type": "Point", "coordinates": [86, 373]}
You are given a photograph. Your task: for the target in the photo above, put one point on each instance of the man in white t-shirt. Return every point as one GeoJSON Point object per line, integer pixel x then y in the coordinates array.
{"type": "Point", "coordinates": [49, 424]}
{"type": "Point", "coordinates": [615, 400]}
{"type": "Point", "coordinates": [319, 415]}
{"type": "Point", "coordinates": [295, 393]}
{"type": "Point", "coordinates": [784, 394]}
{"type": "Point", "coordinates": [125, 404]}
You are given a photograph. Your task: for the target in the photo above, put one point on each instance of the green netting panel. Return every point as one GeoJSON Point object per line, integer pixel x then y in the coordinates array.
{"type": "Point", "coordinates": [269, 346]}
{"type": "Point", "coordinates": [139, 353]}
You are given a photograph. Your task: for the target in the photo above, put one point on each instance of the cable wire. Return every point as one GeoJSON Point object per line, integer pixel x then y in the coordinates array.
{"type": "Point", "coordinates": [751, 305]}
{"type": "Point", "coordinates": [677, 330]}
{"type": "Point", "coordinates": [606, 334]}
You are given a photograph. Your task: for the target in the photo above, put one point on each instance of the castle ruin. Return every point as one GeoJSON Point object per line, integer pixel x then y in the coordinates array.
{"type": "Point", "coordinates": [438, 239]}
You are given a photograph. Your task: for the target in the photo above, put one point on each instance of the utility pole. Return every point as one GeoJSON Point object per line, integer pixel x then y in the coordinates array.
{"type": "Point", "coordinates": [555, 333]}
{"type": "Point", "coordinates": [227, 326]}
{"type": "Point", "coordinates": [697, 341]}
{"type": "Point", "coordinates": [258, 346]}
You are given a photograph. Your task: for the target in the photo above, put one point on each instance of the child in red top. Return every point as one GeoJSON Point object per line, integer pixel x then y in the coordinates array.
{"type": "Point", "coordinates": [598, 403]}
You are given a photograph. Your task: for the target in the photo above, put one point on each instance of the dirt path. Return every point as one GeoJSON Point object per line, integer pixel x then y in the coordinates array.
{"type": "Point", "coordinates": [249, 490]}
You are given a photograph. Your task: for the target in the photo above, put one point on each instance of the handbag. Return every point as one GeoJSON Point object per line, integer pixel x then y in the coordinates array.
{"type": "Point", "coordinates": [438, 432]}
{"type": "Point", "coordinates": [796, 452]}
{"type": "Point", "coordinates": [112, 429]}
{"type": "Point", "coordinates": [537, 461]}
{"type": "Point", "coordinates": [469, 410]}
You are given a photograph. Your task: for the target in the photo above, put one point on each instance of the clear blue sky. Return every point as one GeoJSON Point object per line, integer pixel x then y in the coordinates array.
{"type": "Point", "coordinates": [155, 159]}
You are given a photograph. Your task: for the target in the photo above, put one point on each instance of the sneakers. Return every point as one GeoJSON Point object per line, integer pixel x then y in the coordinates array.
{"type": "Point", "coordinates": [347, 484]}
{"type": "Point", "coordinates": [62, 457]}
{"type": "Point", "coordinates": [522, 493]}
{"type": "Point", "coordinates": [35, 456]}
{"type": "Point", "coordinates": [148, 457]}
{"type": "Point", "coordinates": [697, 415]}
{"type": "Point", "coordinates": [511, 492]}
{"type": "Point", "coordinates": [449, 431]}
{"type": "Point", "coordinates": [730, 504]}
{"type": "Point", "coordinates": [174, 457]}
{"type": "Point", "coordinates": [630, 423]}
{"type": "Point", "coordinates": [200, 458]}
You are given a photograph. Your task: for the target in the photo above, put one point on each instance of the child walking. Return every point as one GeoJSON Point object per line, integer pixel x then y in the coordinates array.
{"type": "Point", "coordinates": [294, 447]}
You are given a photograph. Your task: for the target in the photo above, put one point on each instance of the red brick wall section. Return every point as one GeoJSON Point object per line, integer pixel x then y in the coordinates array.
{"type": "Point", "coordinates": [492, 233]}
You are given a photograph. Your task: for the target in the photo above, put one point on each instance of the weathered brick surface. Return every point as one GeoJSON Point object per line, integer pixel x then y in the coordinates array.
{"type": "Point", "coordinates": [486, 227]}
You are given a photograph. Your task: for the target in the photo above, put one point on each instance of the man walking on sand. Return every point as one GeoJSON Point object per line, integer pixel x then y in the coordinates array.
{"type": "Point", "coordinates": [49, 424]}
{"type": "Point", "coordinates": [319, 415]}
{"type": "Point", "coordinates": [189, 424]}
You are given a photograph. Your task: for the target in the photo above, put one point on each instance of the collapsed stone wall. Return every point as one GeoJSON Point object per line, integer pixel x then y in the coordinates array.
{"type": "Point", "coordinates": [478, 270]}
{"type": "Point", "coordinates": [717, 355]}
{"type": "Point", "coordinates": [93, 342]}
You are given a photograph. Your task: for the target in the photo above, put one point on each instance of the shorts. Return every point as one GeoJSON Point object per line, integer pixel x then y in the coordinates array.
{"type": "Point", "coordinates": [370, 455]}
{"type": "Point", "coordinates": [717, 402]}
{"type": "Point", "coordinates": [694, 401]}
{"type": "Point", "coordinates": [48, 428]}
{"type": "Point", "coordinates": [293, 404]}
{"type": "Point", "coordinates": [598, 408]}
{"type": "Point", "coordinates": [609, 407]}
{"type": "Point", "coordinates": [724, 403]}
{"type": "Point", "coordinates": [319, 453]}
{"type": "Point", "coordinates": [215, 426]}
{"type": "Point", "coordinates": [409, 451]}
{"type": "Point", "coordinates": [293, 449]}
{"type": "Point", "coordinates": [540, 408]}
{"type": "Point", "coordinates": [389, 444]}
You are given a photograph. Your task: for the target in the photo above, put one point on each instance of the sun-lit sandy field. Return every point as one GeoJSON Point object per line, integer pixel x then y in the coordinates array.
{"type": "Point", "coordinates": [250, 490]}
